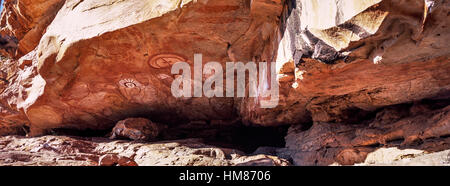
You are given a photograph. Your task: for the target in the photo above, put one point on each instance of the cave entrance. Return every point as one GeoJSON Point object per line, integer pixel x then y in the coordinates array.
{"type": "Point", "coordinates": [236, 136]}
{"type": "Point", "coordinates": [239, 137]}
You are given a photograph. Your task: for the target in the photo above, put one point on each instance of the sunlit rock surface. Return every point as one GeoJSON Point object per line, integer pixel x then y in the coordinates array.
{"type": "Point", "coordinates": [418, 126]}
{"type": "Point", "coordinates": [72, 151]}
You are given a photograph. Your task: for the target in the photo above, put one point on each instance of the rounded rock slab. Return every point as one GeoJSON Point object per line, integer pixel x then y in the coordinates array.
{"type": "Point", "coordinates": [136, 129]}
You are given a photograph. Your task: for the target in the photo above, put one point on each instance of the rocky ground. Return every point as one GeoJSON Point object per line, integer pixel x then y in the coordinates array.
{"type": "Point", "coordinates": [76, 151]}
{"type": "Point", "coordinates": [406, 157]}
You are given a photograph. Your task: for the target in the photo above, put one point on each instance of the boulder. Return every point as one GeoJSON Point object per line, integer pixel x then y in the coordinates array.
{"type": "Point", "coordinates": [136, 129]}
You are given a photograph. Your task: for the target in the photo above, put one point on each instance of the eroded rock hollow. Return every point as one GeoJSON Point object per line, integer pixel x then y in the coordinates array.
{"type": "Point", "coordinates": [353, 77]}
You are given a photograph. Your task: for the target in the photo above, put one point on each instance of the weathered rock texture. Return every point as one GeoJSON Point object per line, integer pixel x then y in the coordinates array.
{"type": "Point", "coordinates": [406, 157]}
{"type": "Point", "coordinates": [101, 61]}
{"type": "Point", "coordinates": [70, 151]}
{"type": "Point", "coordinates": [86, 64]}
{"type": "Point", "coordinates": [393, 52]}
{"type": "Point", "coordinates": [419, 126]}
{"type": "Point", "coordinates": [24, 22]}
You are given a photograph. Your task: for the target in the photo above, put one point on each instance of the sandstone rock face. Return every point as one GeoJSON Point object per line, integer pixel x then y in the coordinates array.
{"type": "Point", "coordinates": [360, 64]}
{"type": "Point", "coordinates": [22, 86]}
{"type": "Point", "coordinates": [24, 22]}
{"type": "Point", "coordinates": [69, 151]}
{"type": "Point", "coordinates": [108, 66]}
{"type": "Point", "coordinates": [403, 126]}
{"type": "Point", "coordinates": [100, 66]}
{"type": "Point", "coordinates": [87, 64]}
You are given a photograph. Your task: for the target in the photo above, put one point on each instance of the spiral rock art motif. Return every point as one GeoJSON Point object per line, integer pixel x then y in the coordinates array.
{"type": "Point", "coordinates": [165, 60]}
